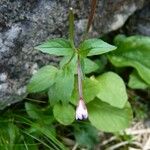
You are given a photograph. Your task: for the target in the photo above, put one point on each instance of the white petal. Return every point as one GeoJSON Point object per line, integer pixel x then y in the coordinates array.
{"type": "Point", "coordinates": [81, 111]}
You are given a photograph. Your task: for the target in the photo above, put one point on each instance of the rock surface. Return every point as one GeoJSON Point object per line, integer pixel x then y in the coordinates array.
{"type": "Point", "coordinates": [26, 23]}
{"type": "Point", "coordinates": [139, 23]}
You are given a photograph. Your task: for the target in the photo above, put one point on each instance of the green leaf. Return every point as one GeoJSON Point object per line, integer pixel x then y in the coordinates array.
{"type": "Point", "coordinates": [90, 90]}
{"type": "Point", "coordinates": [133, 51]}
{"type": "Point", "coordinates": [32, 111]}
{"type": "Point", "coordinates": [13, 132]}
{"type": "Point", "coordinates": [29, 144]}
{"type": "Point", "coordinates": [89, 66]}
{"type": "Point", "coordinates": [112, 89]}
{"type": "Point", "coordinates": [42, 116]}
{"type": "Point", "coordinates": [92, 47]}
{"type": "Point", "coordinates": [63, 87]}
{"type": "Point", "coordinates": [108, 118]}
{"type": "Point", "coordinates": [43, 79]}
{"type": "Point", "coordinates": [86, 135]}
{"type": "Point", "coordinates": [58, 47]}
{"type": "Point", "coordinates": [9, 132]}
{"type": "Point", "coordinates": [70, 61]}
{"type": "Point", "coordinates": [65, 114]}
{"type": "Point", "coordinates": [135, 81]}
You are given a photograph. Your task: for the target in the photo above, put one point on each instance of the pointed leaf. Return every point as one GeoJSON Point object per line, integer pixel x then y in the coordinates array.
{"type": "Point", "coordinates": [89, 66]}
{"type": "Point", "coordinates": [43, 79]}
{"type": "Point", "coordinates": [58, 47]}
{"type": "Point", "coordinates": [92, 47]}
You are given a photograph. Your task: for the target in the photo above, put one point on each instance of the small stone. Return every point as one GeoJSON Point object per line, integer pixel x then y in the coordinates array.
{"type": "Point", "coordinates": [3, 77]}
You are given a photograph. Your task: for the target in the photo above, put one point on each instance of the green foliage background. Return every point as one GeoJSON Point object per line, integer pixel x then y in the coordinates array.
{"type": "Point", "coordinates": [47, 116]}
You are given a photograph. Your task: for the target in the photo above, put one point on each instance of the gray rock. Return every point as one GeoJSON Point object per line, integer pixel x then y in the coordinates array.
{"type": "Point", "coordinates": [139, 23]}
{"type": "Point", "coordinates": [26, 23]}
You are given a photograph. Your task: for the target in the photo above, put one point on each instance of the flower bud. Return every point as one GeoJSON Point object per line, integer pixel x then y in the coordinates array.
{"type": "Point", "coordinates": [81, 111]}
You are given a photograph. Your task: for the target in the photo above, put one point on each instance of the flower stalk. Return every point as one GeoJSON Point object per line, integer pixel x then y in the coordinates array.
{"type": "Point", "coordinates": [81, 110]}
{"type": "Point", "coordinates": [79, 71]}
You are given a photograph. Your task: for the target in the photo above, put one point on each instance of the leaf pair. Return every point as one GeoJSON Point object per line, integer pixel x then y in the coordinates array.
{"type": "Point", "coordinates": [88, 65]}
{"type": "Point", "coordinates": [62, 81]}
{"type": "Point", "coordinates": [62, 47]}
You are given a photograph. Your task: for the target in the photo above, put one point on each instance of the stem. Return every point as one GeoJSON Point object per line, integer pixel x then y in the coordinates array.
{"type": "Point", "coordinates": [79, 78]}
{"type": "Point", "coordinates": [75, 146]}
{"type": "Point", "coordinates": [71, 38]}
{"type": "Point", "coordinates": [90, 18]}
{"type": "Point", "coordinates": [71, 27]}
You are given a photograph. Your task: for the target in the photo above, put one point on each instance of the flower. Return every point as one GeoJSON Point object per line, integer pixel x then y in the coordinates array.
{"type": "Point", "coordinates": [81, 111]}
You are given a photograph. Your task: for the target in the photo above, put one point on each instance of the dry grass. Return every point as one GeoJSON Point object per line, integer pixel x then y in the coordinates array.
{"type": "Point", "coordinates": [140, 139]}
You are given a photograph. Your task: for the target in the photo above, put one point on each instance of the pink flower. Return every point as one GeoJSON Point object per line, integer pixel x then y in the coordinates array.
{"type": "Point", "coordinates": [81, 111]}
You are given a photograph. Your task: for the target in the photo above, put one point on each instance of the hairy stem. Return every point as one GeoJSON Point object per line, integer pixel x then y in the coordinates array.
{"type": "Point", "coordinates": [71, 27]}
